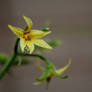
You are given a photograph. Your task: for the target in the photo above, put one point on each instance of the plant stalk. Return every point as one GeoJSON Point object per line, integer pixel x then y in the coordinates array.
{"type": "Point", "coordinates": [10, 61]}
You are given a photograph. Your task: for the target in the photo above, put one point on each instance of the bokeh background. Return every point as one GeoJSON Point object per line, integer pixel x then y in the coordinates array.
{"type": "Point", "coordinates": [71, 22]}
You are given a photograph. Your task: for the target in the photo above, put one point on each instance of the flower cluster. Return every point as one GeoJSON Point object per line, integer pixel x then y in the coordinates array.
{"type": "Point", "coordinates": [28, 40]}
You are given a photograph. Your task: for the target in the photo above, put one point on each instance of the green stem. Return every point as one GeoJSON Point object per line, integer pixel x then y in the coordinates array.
{"type": "Point", "coordinates": [49, 65]}
{"type": "Point", "coordinates": [10, 61]}
{"type": "Point", "coordinates": [36, 55]}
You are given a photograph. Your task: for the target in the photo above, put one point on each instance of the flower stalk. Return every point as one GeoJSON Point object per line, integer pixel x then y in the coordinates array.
{"type": "Point", "coordinates": [36, 55]}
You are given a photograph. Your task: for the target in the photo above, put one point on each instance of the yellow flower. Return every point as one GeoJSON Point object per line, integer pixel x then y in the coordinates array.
{"type": "Point", "coordinates": [57, 72]}
{"type": "Point", "coordinates": [29, 37]}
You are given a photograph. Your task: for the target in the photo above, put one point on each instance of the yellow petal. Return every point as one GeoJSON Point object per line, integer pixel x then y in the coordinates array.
{"type": "Point", "coordinates": [28, 21]}
{"type": "Point", "coordinates": [16, 30]}
{"type": "Point", "coordinates": [38, 33]}
{"type": "Point", "coordinates": [62, 70]}
{"type": "Point", "coordinates": [22, 44]}
{"type": "Point", "coordinates": [41, 43]}
{"type": "Point", "coordinates": [38, 82]}
{"type": "Point", "coordinates": [30, 46]}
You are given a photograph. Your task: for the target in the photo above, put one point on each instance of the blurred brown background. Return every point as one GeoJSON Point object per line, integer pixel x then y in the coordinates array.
{"type": "Point", "coordinates": [71, 22]}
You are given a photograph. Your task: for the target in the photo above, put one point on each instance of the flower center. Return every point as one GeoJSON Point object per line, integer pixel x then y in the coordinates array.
{"type": "Point", "coordinates": [27, 36]}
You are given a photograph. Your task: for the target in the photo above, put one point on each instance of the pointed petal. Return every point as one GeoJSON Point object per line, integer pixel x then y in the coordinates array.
{"type": "Point", "coordinates": [28, 21]}
{"type": "Point", "coordinates": [38, 82]}
{"type": "Point", "coordinates": [30, 46]}
{"type": "Point", "coordinates": [22, 44]}
{"type": "Point", "coordinates": [41, 43]}
{"type": "Point", "coordinates": [16, 30]}
{"type": "Point", "coordinates": [38, 33]}
{"type": "Point", "coordinates": [62, 70]}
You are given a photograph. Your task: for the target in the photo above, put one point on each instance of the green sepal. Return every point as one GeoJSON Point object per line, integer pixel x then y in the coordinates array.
{"type": "Point", "coordinates": [44, 74]}
{"type": "Point", "coordinates": [62, 77]}
{"type": "Point", "coordinates": [45, 29]}
{"type": "Point", "coordinates": [53, 43]}
{"type": "Point", "coordinates": [26, 27]}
